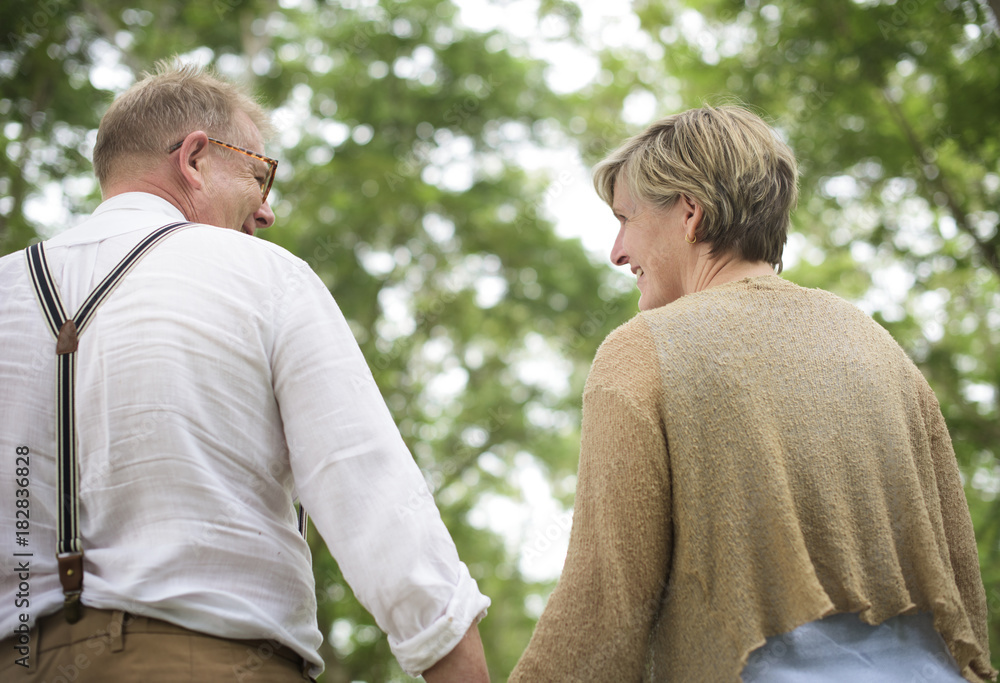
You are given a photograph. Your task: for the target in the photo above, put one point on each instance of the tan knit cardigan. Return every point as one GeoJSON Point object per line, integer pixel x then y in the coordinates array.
{"type": "Point", "coordinates": [754, 457]}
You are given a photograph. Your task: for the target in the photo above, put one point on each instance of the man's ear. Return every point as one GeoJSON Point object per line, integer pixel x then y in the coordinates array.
{"type": "Point", "coordinates": [191, 159]}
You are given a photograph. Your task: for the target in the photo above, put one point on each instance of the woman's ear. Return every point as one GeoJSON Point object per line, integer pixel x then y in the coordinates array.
{"type": "Point", "coordinates": [692, 215]}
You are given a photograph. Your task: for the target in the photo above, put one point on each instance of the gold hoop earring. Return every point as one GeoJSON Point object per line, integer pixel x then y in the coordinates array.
{"type": "Point", "coordinates": [690, 241]}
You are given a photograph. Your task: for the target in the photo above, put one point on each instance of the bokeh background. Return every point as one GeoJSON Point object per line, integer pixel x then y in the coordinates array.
{"type": "Point", "coordinates": [434, 160]}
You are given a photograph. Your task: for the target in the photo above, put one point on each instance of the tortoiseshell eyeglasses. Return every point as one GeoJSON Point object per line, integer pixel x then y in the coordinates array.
{"type": "Point", "coordinates": [272, 164]}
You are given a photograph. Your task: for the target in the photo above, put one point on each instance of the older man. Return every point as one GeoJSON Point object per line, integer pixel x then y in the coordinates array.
{"type": "Point", "coordinates": [214, 380]}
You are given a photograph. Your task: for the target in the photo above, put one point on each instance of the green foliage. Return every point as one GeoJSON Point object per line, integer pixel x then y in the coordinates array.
{"type": "Point", "coordinates": [399, 133]}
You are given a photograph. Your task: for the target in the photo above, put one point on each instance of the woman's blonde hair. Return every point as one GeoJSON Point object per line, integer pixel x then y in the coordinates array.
{"type": "Point", "coordinates": [163, 108]}
{"type": "Point", "coordinates": [729, 161]}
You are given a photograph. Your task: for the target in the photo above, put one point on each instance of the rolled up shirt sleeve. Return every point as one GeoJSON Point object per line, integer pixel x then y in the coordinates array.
{"type": "Point", "coordinates": [361, 486]}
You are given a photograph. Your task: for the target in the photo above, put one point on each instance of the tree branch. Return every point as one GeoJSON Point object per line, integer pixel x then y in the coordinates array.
{"type": "Point", "coordinates": [20, 188]}
{"type": "Point", "coordinates": [988, 251]}
{"type": "Point", "coordinates": [107, 27]}
{"type": "Point", "coordinates": [995, 6]}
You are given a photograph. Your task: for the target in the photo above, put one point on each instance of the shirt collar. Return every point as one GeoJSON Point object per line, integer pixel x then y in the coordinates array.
{"type": "Point", "coordinates": [118, 215]}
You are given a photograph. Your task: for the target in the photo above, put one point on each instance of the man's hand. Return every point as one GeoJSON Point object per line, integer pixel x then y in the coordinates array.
{"type": "Point", "coordinates": [465, 664]}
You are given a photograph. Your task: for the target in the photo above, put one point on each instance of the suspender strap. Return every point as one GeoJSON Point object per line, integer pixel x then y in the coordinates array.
{"type": "Point", "coordinates": [303, 522]}
{"type": "Point", "coordinates": [66, 330]}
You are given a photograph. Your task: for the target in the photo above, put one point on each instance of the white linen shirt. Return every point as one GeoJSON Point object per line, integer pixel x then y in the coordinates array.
{"type": "Point", "coordinates": [218, 380]}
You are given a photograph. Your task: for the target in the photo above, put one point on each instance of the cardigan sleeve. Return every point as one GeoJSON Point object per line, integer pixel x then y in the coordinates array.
{"type": "Point", "coordinates": [959, 534]}
{"type": "Point", "coordinates": [599, 619]}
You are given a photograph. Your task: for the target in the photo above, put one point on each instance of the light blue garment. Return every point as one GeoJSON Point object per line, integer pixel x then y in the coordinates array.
{"type": "Point", "coordinates": [904, 649]}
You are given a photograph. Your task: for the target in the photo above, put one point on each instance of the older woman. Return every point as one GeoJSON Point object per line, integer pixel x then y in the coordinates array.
{"type": "Point", "coordinates": [767, 489]}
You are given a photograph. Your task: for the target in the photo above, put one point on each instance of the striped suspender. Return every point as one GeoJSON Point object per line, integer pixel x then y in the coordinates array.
{"type": "Point", "coordinates": [67, 331]}
{"type": "Point", "coordinates": [303, 523]}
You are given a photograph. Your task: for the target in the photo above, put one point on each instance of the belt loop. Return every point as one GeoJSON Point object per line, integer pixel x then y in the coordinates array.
{"type": "Point", "coordinates": [34, 640]}
{"type": "Point", "coordinates": [116, 630]}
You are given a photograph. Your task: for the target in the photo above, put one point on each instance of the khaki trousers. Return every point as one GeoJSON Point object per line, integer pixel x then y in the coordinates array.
{"type": "Point", "coordinates": [110, 646]}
